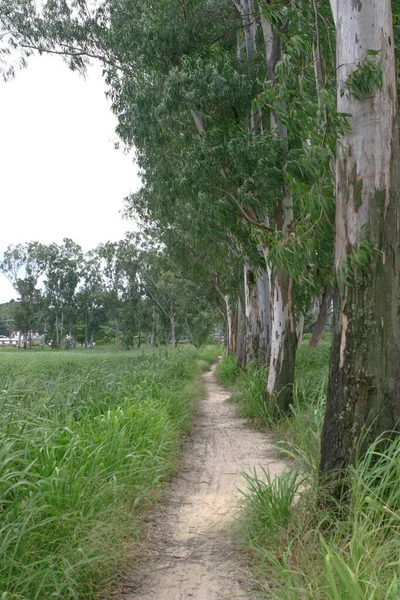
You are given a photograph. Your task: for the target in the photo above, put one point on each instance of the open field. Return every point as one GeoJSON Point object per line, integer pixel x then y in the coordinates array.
{"type": "Point", "coordinates": [85, 441]}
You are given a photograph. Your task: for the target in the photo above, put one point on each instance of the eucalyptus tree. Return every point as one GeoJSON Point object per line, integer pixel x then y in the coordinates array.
{"type": "Point", "coordinates": [61, 278]}
{"type": "Point", "coordinates": [23, 265]}
{"type": "Point", "coordinates": [90, 297]}
{"type": "Point", "coordinates": [110, 260]}
{"type": "Point", "coordinates": [129, 252]}
{"type": "Point", "coordinates": [183, 91]}
{"type": "Point", "coordinates": [363, 395]}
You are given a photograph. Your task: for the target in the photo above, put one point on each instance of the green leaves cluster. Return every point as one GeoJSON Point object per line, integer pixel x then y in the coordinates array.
{"type": "Point", "coordinates": [366, 78]}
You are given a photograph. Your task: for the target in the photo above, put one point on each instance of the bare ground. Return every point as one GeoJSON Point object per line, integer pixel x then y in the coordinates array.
{"type": "Point", "coordinates": [190, 554]}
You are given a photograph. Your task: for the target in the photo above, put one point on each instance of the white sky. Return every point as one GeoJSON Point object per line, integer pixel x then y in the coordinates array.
{"type": "Point", "coordinates": [60, 175]}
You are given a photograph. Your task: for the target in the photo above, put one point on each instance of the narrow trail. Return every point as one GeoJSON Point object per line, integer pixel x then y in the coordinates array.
{"type": "Point", "coordinates": [190, 554]}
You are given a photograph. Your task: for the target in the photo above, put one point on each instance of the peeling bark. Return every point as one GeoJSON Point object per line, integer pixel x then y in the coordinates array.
{"type": "Point", "coordinates": [283, 345]}
{"type": "Point", "coordinates": [363, 392]}
{"type": "Point", "coordinates": [283, 332]}
{"type": "Point", "coordinates": [264, 302]}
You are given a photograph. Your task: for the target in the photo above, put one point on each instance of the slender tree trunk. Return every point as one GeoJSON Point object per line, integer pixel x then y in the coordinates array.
{"type": "Point", "coordinates": [241, 335]}
{"type": "Point", "coordinates": [153, 328]}
{"type": "Point", "coordinates": [324, 309]}
{"type": "Point", "coordinates": [62, 326]}
{"type": "Point", "coordinates": [252, 313]}
{"type": "Point", "coordinates": [264, 300]}
{"type": "Point", "coordinates": [139, 333]}
{"type": "Point", "coordinates": [363, 393]}
{"type": "Point", "coordinates": [220, 335]}
{"type": "Point", "coordinates": [231, 319]}
{"type": "Point", "coordinates": [300, 331]}
{"type": "Point", "coordinates": [257, 285]}
{"type": "Point", "coordinates": [156, 339]}
{"type": "Point", "coordinates": [86, 329]}
{"type": "Point", "coordinates": [283, 345]}
{"type": "Point", "coordinates": [283, 333]}
{"type": "Point", "coordinates": [172, 318]}
{"type": "Point", "coordinates": [117, 325]}
{"type": "Point", "coordinates": [57, 330]}
{"type": "Point", "coordinates": [231, 326]}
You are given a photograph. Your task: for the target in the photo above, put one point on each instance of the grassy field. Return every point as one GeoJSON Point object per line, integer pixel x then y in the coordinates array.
{"type": "Point", "coordinates": [301, 550]}
{"type": "Point", "coordinates": [86, 439]}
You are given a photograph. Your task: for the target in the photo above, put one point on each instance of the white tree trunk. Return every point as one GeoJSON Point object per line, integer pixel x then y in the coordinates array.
{"type": "Point", "coordinates": [264, 303]}
{"type": "Point", "coordinates": [363, 393]}
{"type": "Point", "coordinates": [300, 330]}
{"type": "Point", "coordinates": [241, 335]}
{"type": "Point", "coordinates": [283, 332]}
{"type": "Point", "coordinates": [334, 10]}
{"type": "Point", "coordinates": [230, 318]}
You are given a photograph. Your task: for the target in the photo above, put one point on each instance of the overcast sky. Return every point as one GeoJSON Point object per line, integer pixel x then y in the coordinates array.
{"type": "Point", "coordinates": [60, 175]}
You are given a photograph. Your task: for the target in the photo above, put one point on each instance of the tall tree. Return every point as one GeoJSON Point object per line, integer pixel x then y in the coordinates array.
{"type": "Point", "coordinates": [23, 265]}
{"type": "Point", "coordinates": [363, 394]}
{"type": "Point", "coordinates": [63, 263]}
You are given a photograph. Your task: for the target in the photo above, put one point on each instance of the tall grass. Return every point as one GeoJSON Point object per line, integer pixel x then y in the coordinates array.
{"type": "Point", "coordinates": [302, 551]}
{"type": "Point", "coordinates": [227, 371]}
{"type": "Point", "coordinates": [85, 441]}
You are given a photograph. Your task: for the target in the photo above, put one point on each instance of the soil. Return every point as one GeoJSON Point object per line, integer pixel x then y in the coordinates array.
{"type": "Point", "coordinates": [190, 553]}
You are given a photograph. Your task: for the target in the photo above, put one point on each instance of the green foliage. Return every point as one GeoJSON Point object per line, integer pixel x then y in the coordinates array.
{"type": "Point", "coordinates": [85, 439]}
{"type": "Point", "coordinates": [268, 502]}
{"type": "Point", "coordinates": [227, 371]}
{"type": "Point", "coordinates": [357, 262]}
{"type": "Point", "coordinates": [366, 78]}
{"type": "Point", "coordinates": [250, 396]}
{"type": "Point", "coordinates": [303, 549]}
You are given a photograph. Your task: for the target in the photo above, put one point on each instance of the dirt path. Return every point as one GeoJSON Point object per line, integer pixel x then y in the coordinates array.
{"type": "Point", "coordinates": [190, 555]}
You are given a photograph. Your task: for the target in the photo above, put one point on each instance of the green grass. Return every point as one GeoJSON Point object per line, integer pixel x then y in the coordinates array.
{"type": "Point", "coordinates": [299, 549]}
{"type": "Point", "coordinates": [86, 440]}
{"type": "Point", "coordinates": [227, 371]}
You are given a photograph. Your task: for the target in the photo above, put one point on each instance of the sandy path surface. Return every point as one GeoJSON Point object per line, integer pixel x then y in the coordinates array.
{"type": "Point", "coordinates": [190, 554]}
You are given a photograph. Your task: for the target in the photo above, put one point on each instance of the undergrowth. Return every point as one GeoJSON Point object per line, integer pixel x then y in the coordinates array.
{"type": "Point", "coordinates": [302, 550]}
{"type": "Point", "coordinates": [85, 442]}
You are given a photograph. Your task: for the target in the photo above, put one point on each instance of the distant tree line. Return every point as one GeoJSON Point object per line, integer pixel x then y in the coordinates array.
{"type": "Point", "coordinates": [127, 292]}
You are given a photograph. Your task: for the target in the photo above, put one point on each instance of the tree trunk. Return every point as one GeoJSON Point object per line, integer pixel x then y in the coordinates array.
{"type": "Point", "coordinates": [117, 325]}
{"type": "Point", "coordinates": [283, 333]}
{"type": "Point", "coordinates": [220, 335]}
{"type": "Point", "coordinates": [363, 391]}
{"type": "Point", "coordinates": [231, 326]}
{"type": "Point", "coordinates": [172, 318]}
{"type": "Point", "coordinates": [264, 301]}
{"type": "Point", "coordinates": [156, 340]}
{"type": "Point", "coordinates": [252, 315]}
{"type": "Point", "coordinates": [283, 345]}
{"type": "Point", "coordinates": [86, 329]}
{"type": "Point", "coordinates": [57, 331]}
{"type": "Point", "coordinates": [241, 335]}
{"type": "Point", "coordinates": [300, 331]}
{"type": "Point", "coordinates": [324, 308]}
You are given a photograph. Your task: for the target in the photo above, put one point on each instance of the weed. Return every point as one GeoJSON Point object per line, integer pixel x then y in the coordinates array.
{"type": "Point", "coordinates": [300, 549]}
{"type": "Point", "coordinates": [85, 441]}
